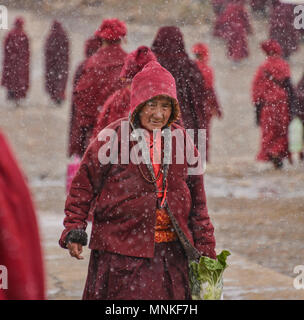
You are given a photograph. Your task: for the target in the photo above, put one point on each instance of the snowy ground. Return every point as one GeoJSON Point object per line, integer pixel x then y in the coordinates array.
{"type": "Point", "coordinates": [257, 212]}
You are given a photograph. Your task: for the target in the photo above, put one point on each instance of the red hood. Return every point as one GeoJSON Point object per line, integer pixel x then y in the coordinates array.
{"type": "Point", "coordinates": [152, 81]}
{"type": "Point", "coordinates": [202, 50]}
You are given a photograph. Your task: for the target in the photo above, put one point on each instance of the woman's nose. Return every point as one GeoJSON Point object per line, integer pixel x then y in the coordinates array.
{"type": "Point", "coordinates": [158, 113]}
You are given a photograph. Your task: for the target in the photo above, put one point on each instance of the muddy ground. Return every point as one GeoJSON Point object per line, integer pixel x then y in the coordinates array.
{"type": "Point", "coordinates": [257, 211]}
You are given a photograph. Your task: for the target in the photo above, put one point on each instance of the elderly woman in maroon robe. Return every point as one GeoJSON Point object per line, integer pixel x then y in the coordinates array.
{"type": "Point", "coordinates": [20, 246]}
{"type": "Point", "coordinates": [15, 75]}
{"type": "Point", "coordinates": [273, 98]}
{"type": "Point", "coordinates": [150, 214]}
{"type": "Point", "coordinates": [56, 63]}
{"type": "Point", "coordinates": [282, 27]}
{"type": "Point", "coordinates": [91, 46]}
{"type": "Point", "coordinates": [99, 80]}
{"type": "Point", "coordinates": [169, 48]}
{"type": "Point", "coordinates": [233, 26]}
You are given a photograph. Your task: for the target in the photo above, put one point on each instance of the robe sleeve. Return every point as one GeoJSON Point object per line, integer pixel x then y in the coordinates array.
{"type": "Point", "coordinates": [85, 187]}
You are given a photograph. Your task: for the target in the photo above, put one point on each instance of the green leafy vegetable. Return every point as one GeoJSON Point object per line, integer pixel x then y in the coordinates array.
{"type": "Point", "coordinates": [206, 277]}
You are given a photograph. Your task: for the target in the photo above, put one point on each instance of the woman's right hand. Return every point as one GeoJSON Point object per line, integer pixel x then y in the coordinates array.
{"type": "Point", "coordinates": [75, 250]}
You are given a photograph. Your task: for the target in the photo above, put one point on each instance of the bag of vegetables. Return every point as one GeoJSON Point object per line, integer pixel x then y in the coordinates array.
{"type": "Point", "coordinates": [206, 277]}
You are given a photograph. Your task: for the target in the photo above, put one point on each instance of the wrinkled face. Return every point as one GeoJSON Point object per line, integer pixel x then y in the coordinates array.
{"type": "Point", "coordinates": [156, 113]}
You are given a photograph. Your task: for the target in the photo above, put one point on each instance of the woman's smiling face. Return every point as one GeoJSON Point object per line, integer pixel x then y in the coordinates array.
{"type": "Point", "coordinates": [156, 113]}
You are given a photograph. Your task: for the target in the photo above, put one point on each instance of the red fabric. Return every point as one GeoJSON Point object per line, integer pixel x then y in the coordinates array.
{"type": "Point", "coordinates": [56, 62]}
{"type": "Point", "coordinates": [111, 30]}
{"type": "Point", "coordinates": [117, 277]}
{"type": "Point", "coordinates": [271, 48]}
{"type": "Point", "coordinates": [270, 93]}
{"type": "Point", "coordinates": [211, 104]}
{"type": "Point", "coordinates": [234, 14]}
{"type": "Point", "coordinates": [153, 80]}
{"type": "Point", "coordinates": [135, 61]}
{"type": "Point", "coordinates": [117, 106]}
{"type": "Point", "coordinates": [15, 75]}
{"type": "Point", "coordinates": [20, 249]}
{"type": "Point", "coordinates": [91, 46]}
{"type": "Point", "coordinates": [99, 80]}
{"type": "Point", "coordinates": [236, 40]}
{"type": "Point", "coordinates": [282, 28]}
{"type": "Point", "coordinates": [169, 49]}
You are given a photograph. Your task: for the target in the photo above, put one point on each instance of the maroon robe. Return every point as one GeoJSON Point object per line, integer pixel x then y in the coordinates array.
{"type": "Point", "coordinates": [99, 80]}
{"type": "Point", "coordinates": [272, 97]}
{"type": "Point", "coordinates": [234, 12]}
{"type": "Point", "coordinates": [211, 104]}
{"type": "Point", "coordinates": [91, 46]}
{"type": "Point", "coordinates": [20, 248]}
{"type": "Point", "coordinates": [15, 75]}
{"type": "Point", "coordinates": [282, 28]}
{"type": "Point", "coordinates": [123, 233]}
{"type": "Point", "coordinates": [56, 63]}
{"type": "Point", "coordinates": [168, 46]}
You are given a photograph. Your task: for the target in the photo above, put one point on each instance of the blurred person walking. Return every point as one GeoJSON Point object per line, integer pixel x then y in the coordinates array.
{"type": "Point", "coordinates": [99, 80]}
{"type": "Point", "coordinates": [16, 63]}
{"type": "Point", "coordinates": [211, 105]}
{"type": "Point", "coordinates": [91, 46]}
{"type": "Point", "coordinates": [169, 49]}
{"type": "Point", "coordinates": [282, 27]}
{"type": "Point", "coordinates": [273, 98]}
{"type": "Point", "coordinates": [233, 26]}
{"type": "Point", "coordinates": [56, 63]}
{"type": "Point", "coordinates": [20, 246]}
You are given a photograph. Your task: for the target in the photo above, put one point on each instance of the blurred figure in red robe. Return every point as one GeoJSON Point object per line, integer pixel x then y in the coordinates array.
{"type": "Point", "coordinates": [99, 80]}
{"type": "Point", "coordinates": [273, 99]}
{"type": "Point", "coordinates": [91, 46]}
{"type": "Point", "coordinates": [282, 27]}
{"type": "Point", "coordinates": [169, 48]}
{"type": "Point", "coordinates": [233, 26]}
{"type": "Point", "coordinates": [56, 63]}
{"type": "Point", "coordinates": [118, 104]}
{"type": "Point", "coordinates": [20, 250]}
{"type": "Point", "coordinates": [15, 75]}
{"type": "Point", "coordinates": [211, 104]}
